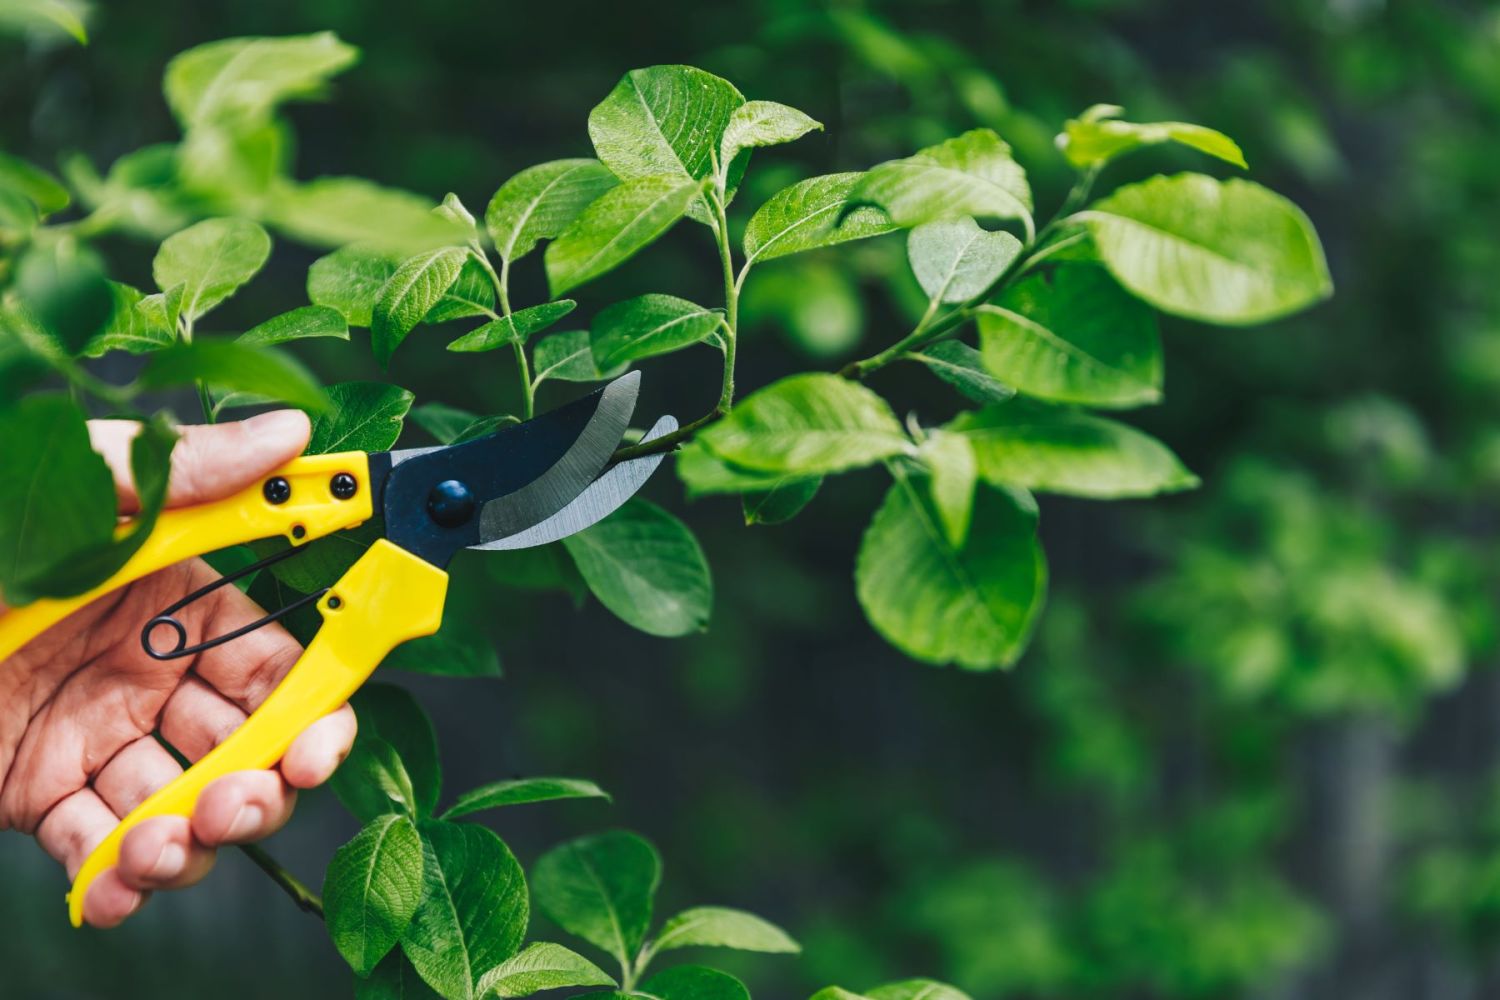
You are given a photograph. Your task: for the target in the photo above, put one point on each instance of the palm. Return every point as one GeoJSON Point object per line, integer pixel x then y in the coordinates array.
{"type": "Point", "coordinates": [82, 705]}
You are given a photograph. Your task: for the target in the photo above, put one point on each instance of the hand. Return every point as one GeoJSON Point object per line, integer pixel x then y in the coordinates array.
{"type": "Point", "coordinates": [79, 704]}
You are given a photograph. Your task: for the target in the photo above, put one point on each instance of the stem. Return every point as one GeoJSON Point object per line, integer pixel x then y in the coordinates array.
{"type": "Point", "coordinates": [928, 332]}
{"type": "Point", "coordinates": [307, 900]}
{"type": "Point", "coordinates": [732, 285]}
{"type": "Point", "coordinates": [729, 331]}
{"type": "Point", "coordinates": [205, 399]}
{"type": "Point", "coordinates": [668, 442]}
{"type": "Point", "coordinates": [501, 281]}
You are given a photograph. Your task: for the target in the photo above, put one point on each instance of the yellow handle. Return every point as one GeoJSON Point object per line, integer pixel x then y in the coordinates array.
{"type": "Point", "coordinates": [386, 598]}
{"type": "Point", "coordinates": [192, 531]}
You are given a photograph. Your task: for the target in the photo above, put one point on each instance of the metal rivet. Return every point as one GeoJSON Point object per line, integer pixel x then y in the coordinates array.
{"type": "Point", "coordinates": [343, 486]}
{"type": "Point", "coordinates": [277, 490]}
{"type": "Point", "coordinates": [450, 503]}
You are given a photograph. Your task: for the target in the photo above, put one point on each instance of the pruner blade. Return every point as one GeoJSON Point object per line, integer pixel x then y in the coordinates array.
{"type": "Point", "coordinates": [603, 497]}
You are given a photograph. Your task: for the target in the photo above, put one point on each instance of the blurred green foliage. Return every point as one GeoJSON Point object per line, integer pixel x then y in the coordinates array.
{"type": "Point", "coordinates": [1252, 750]}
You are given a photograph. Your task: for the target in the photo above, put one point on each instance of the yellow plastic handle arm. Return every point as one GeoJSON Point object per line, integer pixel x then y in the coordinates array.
{"type": "Point", "coordinates": [386, 598]}
{"type": "Point", "coordinates": [192, 531]}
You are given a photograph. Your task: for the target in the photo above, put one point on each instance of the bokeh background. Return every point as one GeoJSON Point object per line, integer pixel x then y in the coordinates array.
{"type": "Point", "coordinates": [1253, 752]}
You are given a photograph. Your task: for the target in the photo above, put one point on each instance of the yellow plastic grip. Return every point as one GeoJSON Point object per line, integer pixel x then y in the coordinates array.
{"type": "Point", "coordinates": [192, 531]}
{"type": "Point", "coordinates": [386, 598]}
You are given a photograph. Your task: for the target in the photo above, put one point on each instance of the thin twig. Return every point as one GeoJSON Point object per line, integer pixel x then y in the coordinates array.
{"type": "Point", "coordinates": [307, 900]}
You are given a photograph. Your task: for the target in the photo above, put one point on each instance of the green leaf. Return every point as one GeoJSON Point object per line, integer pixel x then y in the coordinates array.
{"type": "Point", "coordinates": [57, 495]}
{"type": "Point", "coordinates": [782, 502]}
{"type": "Point", "coordinates": [442, 421]}
{"type": "Point", "coordinates": [1073, 336]}
{"type": "Point", "coordinates": [299, 324]}
{"type": "Point", "coordinates": [694, 982]}
{"type": "Point", "coordinates": [319, 564]}
{"type": "Point", "coordinates": [474, 908]}
{"type": "Point", "coordinates": [647, 326]}
{"type": "Point", "coordinates": [454, 210]}
{"type": "Point", "coordinates": [541, 966]}
{"type": "Point", "coordinates": [46, 16]}
{"type": "Point", "coordinates": [350, 280]}
{"type": "Point", "coordinates": [812, 214]}
{"type": "Point", "coordinates": [33, 183]}
{"type": "Point", "coordinates": [763, 123]}
{"type": "Point", "coordinates": [140, 194]}
{"type": "Point", "coordinates": [808, 424]}
{"type": "Point", "coordinates": [365, 416]}
{"type": "Point", "coordinates": [242, 80]}
{"type": "Point", "coordinates": [961, 366]}
{"type": "Point", "coordinates": [973, 606]}
{"type": "Point", "coordinates": [545, 567]}
{"type": "Point", "coordinates": [371, 890]}
{"type": "Point", "coordinates": [450, 425]}
{"type": "Point", "coordinates": [614, 227]}
{"type": "Point", "coordinates": [704, 472]}
{"type": "Point", "coordinates": [210, 261]}
{"type": "Point", "coordinates": [522, 791]}
{"type": "Point", "coordinates": [18, 218]}
{"type": "Point", "coordinates": [541, 201]}
{"type": "Point", "coordinates": [235, 166]}
{"type": "Point", "coordinates": [516, 328]}
{"type": "Point", "coordinates": [471, 294]}
{"type": "Point", "coordinates": [601, 888]}
{"type": "Point", "coordinates": [20, 367]}
{"type": "Point", "coordinates": [224, 364]}
{"type": "Point", "coordinates": [720, 927]}
{"type": "Point", "coordinates": [972, 174]}
{"type": "Point", "coordinates": [567, 357]}
{"type": "Point", "coordinates": [394, 979]}
{"type": "Point", "coordinates": [645, 566]}
{"type": "Point", "coordinates": [483, 426]}
{"type": "Point", "coordinates": [338, 211]}
{"type": "Point", "coordinates": [457, 650]}
{"type": "Point", "coordinates": [415, 287]}
{"type": "Point", "coordinates": [664, 121]}
{"type": "Point", "coordinates": [62, 285]}
{"type": "Point", "coordinates": [373, 781]}
{"type": "Point", "coordinates": [955, 261]}
{"type": "Point", "coordinates": [916, 989]}
{"type": "Point", "coordinates": [952, 473]}
{"type": "Point", "coordinates": [392, 715]}
{"type": "Point", "coordinates": [86, 567]}
{"type": "Point", "coordinates": [1227, 252]}
{"type": "Point", "coordinates": [1096, 137]}
{"type": "Point", "coordinates": [1056, 450]}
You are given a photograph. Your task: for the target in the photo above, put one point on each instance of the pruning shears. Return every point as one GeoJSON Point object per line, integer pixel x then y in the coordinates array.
{"type": "Point", "coordinates": [525, 485]}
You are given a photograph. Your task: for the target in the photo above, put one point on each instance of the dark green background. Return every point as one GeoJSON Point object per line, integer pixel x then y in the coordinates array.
{"type": "Point", "coordinates": [1251, 753]}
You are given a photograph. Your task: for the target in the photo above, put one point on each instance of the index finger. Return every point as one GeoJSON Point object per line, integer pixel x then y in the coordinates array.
{"type": "Point", "coordinates": [209, 461]}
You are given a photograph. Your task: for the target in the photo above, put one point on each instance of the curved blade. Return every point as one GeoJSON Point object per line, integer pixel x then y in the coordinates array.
{"type": "Point", "coordinates": [574, 471]}
{"type": "Point", "coordinates": [514, 478]}
{"type": "Point", "coordinates": [604, 496]}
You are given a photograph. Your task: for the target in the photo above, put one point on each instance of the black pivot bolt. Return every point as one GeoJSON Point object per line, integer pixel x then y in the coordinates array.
{"type": "Point", "coordinates": [450, 503]}
{"type": "Point", "coordinates": [277, 490]}
{"type": "Point", "coordinates": [343, 486]}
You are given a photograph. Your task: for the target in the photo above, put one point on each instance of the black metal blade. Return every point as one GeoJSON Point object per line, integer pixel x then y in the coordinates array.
{"type": "Point", "coordinates": [437, 501]}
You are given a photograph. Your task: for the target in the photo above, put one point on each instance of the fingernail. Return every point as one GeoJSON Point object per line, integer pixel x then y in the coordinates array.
{"type": "Point", "coordinates": [169, 863]}
{"type": "Point", "coordinates": [245, 823]}
{"type": "Point", "coordinates": [278, 424]}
